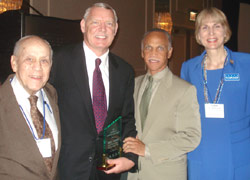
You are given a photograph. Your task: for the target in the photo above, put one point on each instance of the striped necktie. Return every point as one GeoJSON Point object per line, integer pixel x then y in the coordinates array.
{"type": "Point", "coordinates": [37, 119]}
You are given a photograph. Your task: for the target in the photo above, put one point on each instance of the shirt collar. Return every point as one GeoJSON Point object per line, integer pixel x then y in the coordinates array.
{"type": "Point", "coordinates": [20, 91]}
{"type": "Point", "coordinates": [89, 53]}
{"type": "Point", "coordinates": [158, 76]}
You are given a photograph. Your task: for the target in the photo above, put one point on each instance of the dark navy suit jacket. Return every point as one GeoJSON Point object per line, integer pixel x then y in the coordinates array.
{"type": "Point", "coordinates": [81, 144]}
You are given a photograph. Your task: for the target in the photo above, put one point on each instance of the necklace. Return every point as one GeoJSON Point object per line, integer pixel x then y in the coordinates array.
{"type": "Point", "coordinates": [221, 83]}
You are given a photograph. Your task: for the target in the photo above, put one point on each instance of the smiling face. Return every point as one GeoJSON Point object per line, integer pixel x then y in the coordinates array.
{"type": "Point", "coordinates": [32, 64]}
{"type": "Point", "coordinates": [99, 29]}
{"type": "Point", "coordinates": [155, 52]}
{"type": "Point", "coordinates": [211, 34]}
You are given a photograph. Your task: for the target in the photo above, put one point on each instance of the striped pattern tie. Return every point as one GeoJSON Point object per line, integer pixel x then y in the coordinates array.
{"type": "Point", "coordinates": [37, 119]}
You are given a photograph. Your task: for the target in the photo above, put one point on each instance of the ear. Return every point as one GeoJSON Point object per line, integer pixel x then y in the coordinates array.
{"type": "Point", "coordinates": [82, 24]}
{"type": "Point", "coordinates": [170, 52]}
{"type": "Point", "coordinates": [13, 62]}
{"type": "Point", "coordinates": [142, 53]}
{"type": "Point", "coordinates": [199, 37]}
{"type": "Point", "coordinates": [116, 28]}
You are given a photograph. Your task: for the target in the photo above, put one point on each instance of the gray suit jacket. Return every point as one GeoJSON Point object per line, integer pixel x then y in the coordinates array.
{"type": "Point", "coordinates": [172, 129]}
{"type": "Point", "coordinates": [20, 157]}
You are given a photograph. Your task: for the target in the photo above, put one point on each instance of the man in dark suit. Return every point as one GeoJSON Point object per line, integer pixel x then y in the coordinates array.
{"type": "Point", "coordinates": [29, 149]}
{"type": "Point", "coordinates": [73, 77]}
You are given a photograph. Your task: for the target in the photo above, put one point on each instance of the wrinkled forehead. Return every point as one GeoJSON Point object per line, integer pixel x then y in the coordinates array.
{"type": "Point", "coordinates": [156, 37]}
{"type": "Point", "coordinates": [31, 44]}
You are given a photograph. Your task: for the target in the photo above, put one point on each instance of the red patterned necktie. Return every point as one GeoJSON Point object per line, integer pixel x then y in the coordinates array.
{"type": "Point", "coordinates": [37, 119]}
{"type": "Point", "coordinates": [99, 97]}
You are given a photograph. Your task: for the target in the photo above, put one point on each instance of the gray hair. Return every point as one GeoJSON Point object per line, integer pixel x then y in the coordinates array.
{"type": "Point", "coordinates": [101, 5]}
{"type": "Point", "coordinates": [158, 30]}
{"type": "Point", "coordinates": [18, 44]}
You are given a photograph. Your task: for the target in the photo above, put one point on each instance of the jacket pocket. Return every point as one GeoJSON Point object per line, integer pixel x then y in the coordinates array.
{"type": "Point", "coordinates": [242, 173]}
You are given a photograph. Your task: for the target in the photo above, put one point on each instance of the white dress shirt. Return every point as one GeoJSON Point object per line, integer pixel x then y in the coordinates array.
{"type": "Point", "coordinates": [22, 98]}
{"type": "Point", "coordinates": [104, 67]}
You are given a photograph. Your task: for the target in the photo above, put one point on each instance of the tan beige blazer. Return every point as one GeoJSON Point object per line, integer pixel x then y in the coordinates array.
{"type": "Point", "coordinates": [20, 158]}
{"type": "Point", "coordinates": [172, 129]}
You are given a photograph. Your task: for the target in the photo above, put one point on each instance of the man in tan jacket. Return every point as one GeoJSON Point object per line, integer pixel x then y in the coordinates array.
{"type": "Point", "coordinates": [167, 115]}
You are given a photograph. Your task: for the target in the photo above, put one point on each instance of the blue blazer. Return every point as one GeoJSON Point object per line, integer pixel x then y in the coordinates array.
{"type": "Point", "coordinates": [224, 151]}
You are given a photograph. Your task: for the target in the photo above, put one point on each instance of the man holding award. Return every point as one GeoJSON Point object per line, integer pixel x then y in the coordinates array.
{"type": "Point", "coordinates": [167, 115]}
{"type": "Point", "coordinates": [95, 92]}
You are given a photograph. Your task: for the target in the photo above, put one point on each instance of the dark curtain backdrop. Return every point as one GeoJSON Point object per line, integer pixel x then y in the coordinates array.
{"type": "Point", "coordinates": [231, 9]}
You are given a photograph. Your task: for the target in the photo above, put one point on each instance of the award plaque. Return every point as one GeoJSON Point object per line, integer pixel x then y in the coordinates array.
{"type": "Point", "coordinates": [112, 144]}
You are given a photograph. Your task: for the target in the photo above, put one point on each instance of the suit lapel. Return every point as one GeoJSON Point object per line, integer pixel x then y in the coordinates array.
{"type": "Point", "coordinates": [28, 148]}
{"type": "Point", "coordinates": [56, 116]}
{"type": "Point", "coordinates": [137, 97]}
{"type": "Point", "coordinates": [113, 87]}
{"type": "Point", "coordinates": [80, 74]}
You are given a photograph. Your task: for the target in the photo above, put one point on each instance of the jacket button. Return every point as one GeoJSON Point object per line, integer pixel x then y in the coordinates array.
{"type": "Point", "coordinates": [90, 159]}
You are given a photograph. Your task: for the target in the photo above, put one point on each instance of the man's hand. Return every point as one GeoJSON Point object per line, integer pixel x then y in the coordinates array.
{"type": "Point", "coordinates": [134, 145]}
{"type": "Point", "coordinates": [121, 164]}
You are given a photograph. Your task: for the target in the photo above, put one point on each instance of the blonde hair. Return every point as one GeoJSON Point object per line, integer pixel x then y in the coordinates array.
{"type": "Point", "coordinates": [215, 14]}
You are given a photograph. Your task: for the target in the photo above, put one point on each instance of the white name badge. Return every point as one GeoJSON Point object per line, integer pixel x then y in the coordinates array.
{"type": "Point", "coordinates": [44, 145]}
{"type": "Point", "coordinates": [214, 110]}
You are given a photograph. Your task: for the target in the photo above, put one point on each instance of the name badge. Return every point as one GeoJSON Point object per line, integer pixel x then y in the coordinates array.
{"type": "Point", "coordinates": [44, 146]}
{"type": "Point", "coordinates": [231, 77]}
{"type": "Point", "coordinates": [214, 110]}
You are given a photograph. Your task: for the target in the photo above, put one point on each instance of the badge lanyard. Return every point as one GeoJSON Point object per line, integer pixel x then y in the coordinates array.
{"type": "Point", "coordinates": [44, 127]}
{"type": "Point", "coordinates": [220, 86]}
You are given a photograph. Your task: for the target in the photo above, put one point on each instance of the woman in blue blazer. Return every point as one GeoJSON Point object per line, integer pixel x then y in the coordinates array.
{"type": "Point", "coordinates": [222, 79]}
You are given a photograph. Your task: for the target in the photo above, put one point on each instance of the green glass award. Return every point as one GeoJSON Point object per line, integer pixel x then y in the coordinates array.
{"type": "Point", "coordinates": [112, 143]}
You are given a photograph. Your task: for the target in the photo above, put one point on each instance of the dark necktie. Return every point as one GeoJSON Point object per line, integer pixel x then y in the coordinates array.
{"type": "Point", "coordinates": [99, 97]}
{"type": "Point", "coordinates": [37, 119]}
{"type": "Point", "coordinates": [145, 101]}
